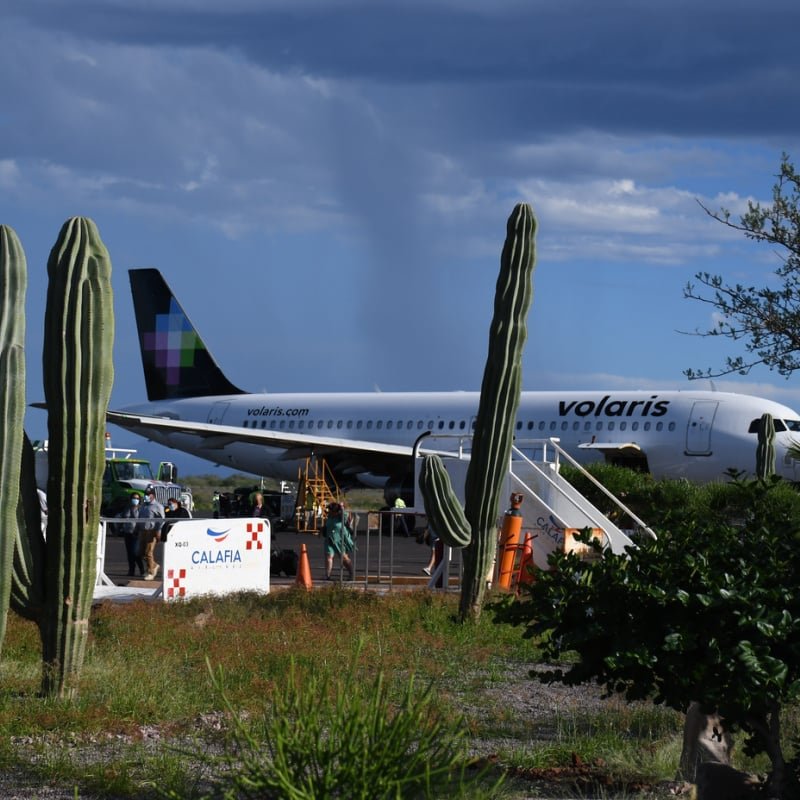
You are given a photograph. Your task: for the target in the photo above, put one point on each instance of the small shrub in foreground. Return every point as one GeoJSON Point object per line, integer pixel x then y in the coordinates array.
{"type": "Point", "coordinates": [325, 737]}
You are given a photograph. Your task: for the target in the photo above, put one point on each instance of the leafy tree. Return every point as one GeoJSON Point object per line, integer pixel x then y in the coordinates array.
{"type": "Point", "coordinates": [655, 502]}
{"type": "Point", "coordinates": [710, 611]}
{"type": "Point", "coordinates": [766, 320]}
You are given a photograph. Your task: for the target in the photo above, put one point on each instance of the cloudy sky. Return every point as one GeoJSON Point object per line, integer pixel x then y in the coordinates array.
{"type": "Point", "coordinates": [325, 183]}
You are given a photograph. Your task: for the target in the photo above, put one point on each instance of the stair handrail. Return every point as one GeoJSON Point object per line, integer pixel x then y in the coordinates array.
{"type": "Point", "coordinates": [561, 452]}
{"type": "Point", "coordinates": [603, 523]}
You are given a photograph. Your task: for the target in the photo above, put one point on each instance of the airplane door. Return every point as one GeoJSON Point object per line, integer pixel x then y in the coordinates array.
{"type": "Point", "coordinates": [698, 431]}
{"type": "Point", "coordinates": [218, 412]}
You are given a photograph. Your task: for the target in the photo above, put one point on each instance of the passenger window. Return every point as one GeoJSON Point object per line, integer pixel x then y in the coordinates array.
{"type": "Point", "coordinates": [576, 426]}
{"type": "Point", "coordinates": [598, 426]}
{"type": "Point", "coordinates": [671, 426]}
{"type": "Point", "coordinates": [451, 425]}
{"type": "Point", "coordinates": [552, 426]}
{"type": "Point", "coordinates": [330, 424]}
{"type": "Point", "coordinates": [379, 424]}
{"type": "Point", "coordinates": [541, 425]}
{"type": "Point", "coordinates": [419, 424]}
{"type": "Point", "coordinates": [369, 424]}
{"type": "Point", "coordinates": [349, 424]}
{"type": "Point", "coordinates": [659, 426]}
{"type": "Point", "coordinates": [623, 425]}
{"type": "Point", "coordinates": [430, 424]}
{"type": "Point", "coordinates": [647, 426]}
{"type": "Point", "coordinates": [291, 424]}
{"type": "Point", "coordinates": [410, 424]}
{"type": "Point", "coordinates": [441, 424]}
{"type": "Point", "coordinates": [587, 426]}
{"type": "Point", "coordinates": [611, 426]}
{"type": "Point", "coordinates": [359, 423]}
{"type": "Point", "coordinates": [519, 425]}
{"type": "Point", "coordinates": [462, 424]}
{"type": "Point", "coordinates": [282, 425]}
{"type": "Point", "coordinates": [389, 425]}
{"type": "Point", "coordinates": [263, 423]}
{"type": "Point", "coordinates": [272, 424]}
{"type": "Point", "coordinates": [634, 426]}
{"type": "Point", "coordinates": [301, 424]}
{"type": "Point", "coordinates": [531, 426]}
{"type": "Point", "coordinates": [564, 425]}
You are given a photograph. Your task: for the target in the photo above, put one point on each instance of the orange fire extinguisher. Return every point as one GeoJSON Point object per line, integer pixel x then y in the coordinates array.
{"type": "Point", "coordinates": [509, 541]}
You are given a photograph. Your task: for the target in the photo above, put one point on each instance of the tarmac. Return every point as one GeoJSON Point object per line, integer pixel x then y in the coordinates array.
{"type": "Point", "coordinates": [383, 563]}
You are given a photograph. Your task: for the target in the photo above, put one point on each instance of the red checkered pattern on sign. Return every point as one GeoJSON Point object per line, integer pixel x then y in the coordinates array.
{"type": "Point", "coordinates": [173, 583]}
{"type": "Point", "coordinates": [254, 531]}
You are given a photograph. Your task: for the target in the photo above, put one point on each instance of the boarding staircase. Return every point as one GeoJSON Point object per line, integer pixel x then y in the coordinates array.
{"type": "Point", "coordinates": [316, 488]}
{"type": "Point", "coordinates": [552, 509]}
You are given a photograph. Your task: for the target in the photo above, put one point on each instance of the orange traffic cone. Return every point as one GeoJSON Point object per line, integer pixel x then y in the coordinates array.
{"type": "Point", "coordinates": [304, 570]}
{"type": "Point", "coordinates": [526, 566]}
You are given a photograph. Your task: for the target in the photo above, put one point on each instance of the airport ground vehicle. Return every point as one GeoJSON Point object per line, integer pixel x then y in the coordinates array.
{"type": "Point", "coordinates": [281, 505]}
{"type": "Point", "coordinates": [124, 474]}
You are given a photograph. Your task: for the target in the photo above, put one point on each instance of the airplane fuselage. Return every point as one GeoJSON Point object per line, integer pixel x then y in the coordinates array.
{"type": "Point", "coordinates": [696, 435]}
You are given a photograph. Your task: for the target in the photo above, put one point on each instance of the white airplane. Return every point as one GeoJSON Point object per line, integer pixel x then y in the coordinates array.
{"type": "Point", "coordinates": [368, 438]}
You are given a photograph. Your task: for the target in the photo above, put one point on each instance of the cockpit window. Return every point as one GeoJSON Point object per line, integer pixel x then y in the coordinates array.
{"type": "Point", "coordinates": [780, 425]}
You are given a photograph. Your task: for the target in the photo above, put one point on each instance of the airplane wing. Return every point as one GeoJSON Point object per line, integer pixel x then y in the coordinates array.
{"type": "Point", "coordinates": [611, 447]}
{"type": "Point", "coordinates": [346, 456]}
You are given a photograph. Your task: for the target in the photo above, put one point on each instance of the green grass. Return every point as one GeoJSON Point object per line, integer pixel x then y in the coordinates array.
{"type": "Point", "coordinates": [150, 720]}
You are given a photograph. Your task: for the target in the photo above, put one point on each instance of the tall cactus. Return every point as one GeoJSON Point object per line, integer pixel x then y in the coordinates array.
{"type": "Point", "coordinates": [78, 375]}
{"type": "Point", "coordinates": [13, 282]}
{"type": "Point", "coordinates": [491, 448]}
{"type": "Point", "coordinates": [765, 449]}
{"type": "Point", "coordinates": [52, 581]}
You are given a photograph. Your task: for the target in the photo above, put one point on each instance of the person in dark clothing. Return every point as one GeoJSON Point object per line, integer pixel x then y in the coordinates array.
{"type": "Point", "coordinates": [130, 532]}
{"type": "Point", "coordinates": [172, 513]}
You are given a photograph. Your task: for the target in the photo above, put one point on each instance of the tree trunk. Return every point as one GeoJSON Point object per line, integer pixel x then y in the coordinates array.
{"type": "Point", "coordinates": [704, 740]}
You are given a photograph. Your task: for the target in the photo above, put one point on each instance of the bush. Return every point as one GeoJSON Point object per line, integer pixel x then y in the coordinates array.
{"type": "Point", "coordinates": [710, 611]}
{"type": "Point", "coordinates": [325, 737]}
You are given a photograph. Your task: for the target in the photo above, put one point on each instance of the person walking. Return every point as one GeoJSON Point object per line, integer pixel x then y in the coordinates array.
{"type": "Point", "coordinates": [150, 531]}
{"type": "Point", "coordinates": [431, 538]}
{"type": "Point", "coordinates": [130, 533]}
{"type": "Point", "coordinates": [338, 540]}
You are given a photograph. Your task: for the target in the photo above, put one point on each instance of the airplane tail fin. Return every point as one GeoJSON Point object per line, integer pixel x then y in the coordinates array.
{"type": "Point", "coordinates": [175, 360]}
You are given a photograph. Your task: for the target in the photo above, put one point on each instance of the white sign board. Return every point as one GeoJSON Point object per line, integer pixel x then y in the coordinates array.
{"type": "Point", "coordinates": [216, 556]}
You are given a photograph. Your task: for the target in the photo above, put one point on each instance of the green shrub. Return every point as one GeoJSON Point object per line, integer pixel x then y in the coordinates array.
{"type": "Point", "coordinates": [326, 736]}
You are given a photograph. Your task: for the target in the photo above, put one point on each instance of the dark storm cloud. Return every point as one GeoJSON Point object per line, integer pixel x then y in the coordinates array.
{"type": "Point", "coordinates": [686, 66]}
